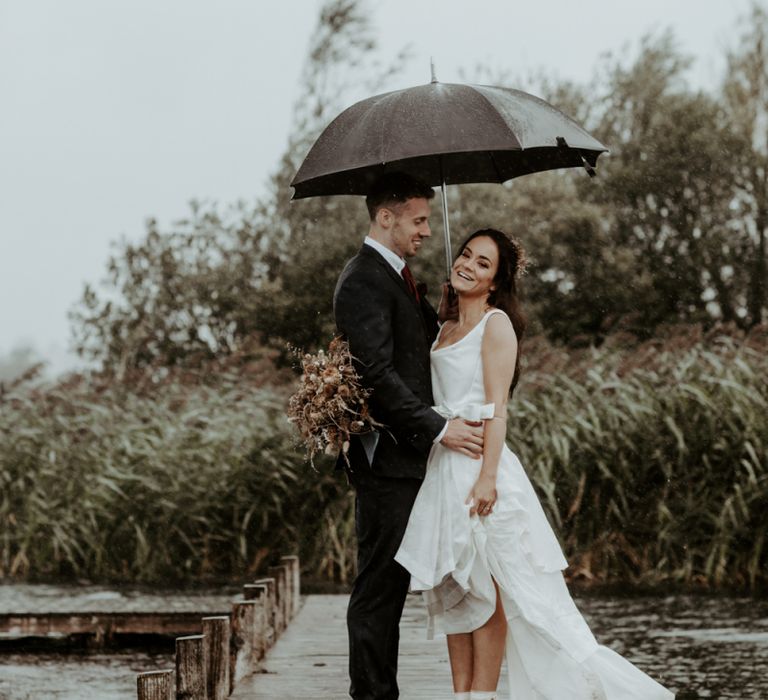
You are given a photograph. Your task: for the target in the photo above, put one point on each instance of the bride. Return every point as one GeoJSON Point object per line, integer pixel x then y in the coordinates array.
{"type": "Point", "coordinates": [478, 545]}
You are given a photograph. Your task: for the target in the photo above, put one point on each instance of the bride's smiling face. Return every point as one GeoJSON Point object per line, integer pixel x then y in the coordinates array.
{"type": "Point", "coordinates": [474, 270]}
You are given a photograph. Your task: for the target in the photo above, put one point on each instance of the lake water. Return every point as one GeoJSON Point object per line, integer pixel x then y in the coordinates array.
{"type": "Point", "coordinates": [698, 646]}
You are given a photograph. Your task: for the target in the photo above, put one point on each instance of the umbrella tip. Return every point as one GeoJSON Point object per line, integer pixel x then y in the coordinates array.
{"type": "Point", "coordinates": [562, 143]}
{"type": "Point", "coordinates": [432, 68]}
{"type": "Point", "coordinates": [588, 166]}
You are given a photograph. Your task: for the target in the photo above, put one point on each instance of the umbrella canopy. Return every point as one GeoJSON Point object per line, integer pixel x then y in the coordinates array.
{"type": "Point", "coordinates": [443, 133]}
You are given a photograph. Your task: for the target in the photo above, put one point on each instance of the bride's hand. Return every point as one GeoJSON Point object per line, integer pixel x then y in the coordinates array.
{"type": "Point", "coordinates": [482, 497]}
{"type": "Point", "coordinates": [449, 304]}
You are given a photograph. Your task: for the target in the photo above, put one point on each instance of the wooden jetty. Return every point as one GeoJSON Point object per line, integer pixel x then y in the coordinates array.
{"type": "Point", "coordinates": [265, 644]}
{"type": "Point", "coordinates": [211, 664]}
{"type": "Point", "coordinates": [102, 614]}
{"type": "Point", "coordinates": [309, 662]}
{"type": "Point", "coordinates": [274, 646]}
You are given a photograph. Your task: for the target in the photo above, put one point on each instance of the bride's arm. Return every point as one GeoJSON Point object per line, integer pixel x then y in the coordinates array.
{"type": "Point", "coordinates": [499, 353]}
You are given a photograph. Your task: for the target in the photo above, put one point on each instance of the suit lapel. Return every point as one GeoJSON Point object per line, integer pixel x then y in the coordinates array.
{"type": "Point", "coordinates": [401, 283]}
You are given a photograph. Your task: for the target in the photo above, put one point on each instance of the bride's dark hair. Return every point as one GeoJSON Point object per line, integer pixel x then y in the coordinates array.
{"type": "Point", "coordinates": [504, 296]}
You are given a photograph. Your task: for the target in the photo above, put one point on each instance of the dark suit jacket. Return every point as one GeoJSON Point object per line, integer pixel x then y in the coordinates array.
{"type": "Point", "coordinates": [390, 335]}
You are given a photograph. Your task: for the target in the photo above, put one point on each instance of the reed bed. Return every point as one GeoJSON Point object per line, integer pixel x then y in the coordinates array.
{"type": "Point", "coordinates": [176, 483]}
{"type": "Point", "coordinates": [650, 460]}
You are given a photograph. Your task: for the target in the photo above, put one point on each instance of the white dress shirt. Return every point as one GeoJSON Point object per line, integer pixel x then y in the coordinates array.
{"type": "Point", "coordinates": [397, 264]}
{"type": "Point", "coordinates": [389, 255]}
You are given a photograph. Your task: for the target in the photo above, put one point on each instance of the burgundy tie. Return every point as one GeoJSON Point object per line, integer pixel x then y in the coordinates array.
{"type": "Point", "coordinates": [408, 277]}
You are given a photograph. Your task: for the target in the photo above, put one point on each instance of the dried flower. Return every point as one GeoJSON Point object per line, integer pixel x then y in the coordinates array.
{"type": "Point", "coordinates": [330, 403]}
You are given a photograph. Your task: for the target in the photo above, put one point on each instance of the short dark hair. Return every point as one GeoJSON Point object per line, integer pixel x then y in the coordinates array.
{"type": "Point", "coordinates": [393, 189]}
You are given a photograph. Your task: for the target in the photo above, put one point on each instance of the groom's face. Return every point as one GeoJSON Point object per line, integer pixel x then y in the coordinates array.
{"type": "Point", "coordinates": [410, 227]}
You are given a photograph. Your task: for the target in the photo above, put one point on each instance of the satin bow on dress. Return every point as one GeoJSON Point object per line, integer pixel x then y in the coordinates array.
{"type": "Point", "coordinates": [468, 411]}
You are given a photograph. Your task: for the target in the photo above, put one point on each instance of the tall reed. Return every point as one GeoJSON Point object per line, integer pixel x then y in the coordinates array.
{"type": "Point", "coordinates": [651, 461]}
{"type": "Point", "coordinates": [178, 483]}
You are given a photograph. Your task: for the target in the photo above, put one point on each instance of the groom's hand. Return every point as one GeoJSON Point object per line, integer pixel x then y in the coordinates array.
{"type": "Point", "coordinates": [464, 436]}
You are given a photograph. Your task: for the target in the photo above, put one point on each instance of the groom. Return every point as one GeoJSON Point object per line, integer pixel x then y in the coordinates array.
{"type": "Point", "coordinates": [390, 327]}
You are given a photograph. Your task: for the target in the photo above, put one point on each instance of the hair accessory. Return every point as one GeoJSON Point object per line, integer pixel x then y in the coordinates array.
{"type": "Point", "coordinates": [522, 259]}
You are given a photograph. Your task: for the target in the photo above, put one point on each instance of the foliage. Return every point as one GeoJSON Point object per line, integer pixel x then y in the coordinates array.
{"type": "Point", "coordinates": [178, 297]}
{"type": "Point", "coordinates": [672, 230]}
{"type": "Point", "coordinates": [745, 102]}
{"type": "Point", "coordinates": [667, 187]}
{"type": "Point", "coordinates": [319, 234]}
{"type": "Point", "coordinates": [650, 461]}
{"type": "Point", "coordinates": [647, 444]}
{"type": "Point", "coordinates": [184, 479]}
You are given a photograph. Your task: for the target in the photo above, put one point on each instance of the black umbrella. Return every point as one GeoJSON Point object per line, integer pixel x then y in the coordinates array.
{"type": "Point", "coordinates": [444, 134]}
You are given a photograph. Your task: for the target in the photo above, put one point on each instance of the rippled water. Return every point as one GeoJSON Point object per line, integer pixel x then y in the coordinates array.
{"type": "Point", "coordinates": [75, 677]}
{"type": "Point", "coordinates": [698, 646]}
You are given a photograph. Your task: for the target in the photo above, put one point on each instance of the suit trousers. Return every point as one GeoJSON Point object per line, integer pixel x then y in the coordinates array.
{"type": "Point", "coordinates": [382, 508]}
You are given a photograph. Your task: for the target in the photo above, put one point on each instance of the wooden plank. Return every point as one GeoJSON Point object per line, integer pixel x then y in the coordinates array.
{"type": "Point", "coordinates": [309, 661]}
{"type": "Point", "coordinates": [216, 633]}
{"type": "Point", "coordinates": [77, 599]}
{"type": "Point", "coordinates": [155, 685]}
{"type": "Point", "coordinates": [171, 624]}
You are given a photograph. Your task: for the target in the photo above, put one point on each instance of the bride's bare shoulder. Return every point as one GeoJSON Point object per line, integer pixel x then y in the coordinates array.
{"type": "Point", "coordinates": [499, 331]}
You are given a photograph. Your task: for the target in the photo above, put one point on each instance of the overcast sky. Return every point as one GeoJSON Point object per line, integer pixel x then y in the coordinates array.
{"type": "Point", "coordinates": [117, 110]}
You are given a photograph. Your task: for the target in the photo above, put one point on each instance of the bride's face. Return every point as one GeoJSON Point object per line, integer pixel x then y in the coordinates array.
{"type": "Point", "coordinates": [473, 272]}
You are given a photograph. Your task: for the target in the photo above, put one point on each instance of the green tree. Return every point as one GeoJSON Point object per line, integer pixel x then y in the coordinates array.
{"type": "Point", "coordinates": [672, 230]}
{"type": "Point", "coordinates": [575, 289]}
{"type": "Point", "coordinates": [217, 282]}
{"type": "Point", "coordinates": [745, 98]}
{"type": "Point", "coordinates": [667, 186]}
{"type": "Point", "coordinates": [178, 297]}
{"type": "Point", "coordinates": [318, 234]}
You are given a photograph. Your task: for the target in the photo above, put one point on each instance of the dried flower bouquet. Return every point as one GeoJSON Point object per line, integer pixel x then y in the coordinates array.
{"type": "Point", "coordinates": [330, 404]}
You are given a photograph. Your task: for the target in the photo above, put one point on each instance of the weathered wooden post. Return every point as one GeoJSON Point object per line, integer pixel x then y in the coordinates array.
{"type": "Point", "coordinates": [155, 685]}
{"type": "Point", "coordinates": [209, 665]}
{"type": "Point", "coordinates": [261, 625]}
{"type": "Point", "coordinates": [240, 650]}
{"type": "Point", "coordinates": [287, 603]}
{"type": "Point", "coordinates": [190, 668]}
{"type": "Point", "coordinates": [295, 579]}
{"type": "Point", "coordinates": [270, 609]}
{"type": "Point", "coordinates": [216, 633]}
{"type": "Point", "coordinates": [278, 573]}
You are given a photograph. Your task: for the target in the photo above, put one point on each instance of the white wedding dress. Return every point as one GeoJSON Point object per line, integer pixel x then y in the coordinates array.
{"type": "Point", "coordinates": [550, 651]}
